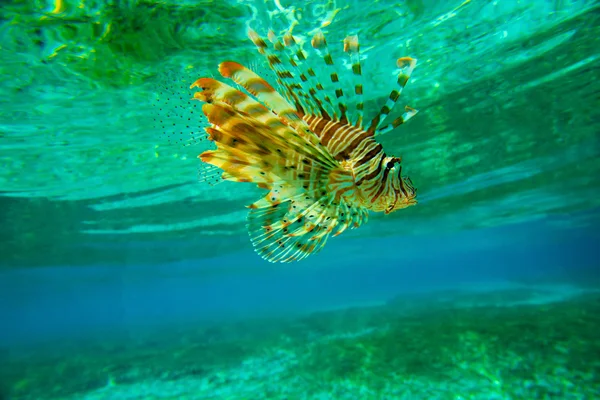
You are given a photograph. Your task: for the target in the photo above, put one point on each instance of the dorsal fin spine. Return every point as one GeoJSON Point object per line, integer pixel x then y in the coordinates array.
{"type": "Point", "coordinates": [406, 65]}
{"type": "Point", "coordinates": [320, 45]}
{"type": "Point", "coordinates": [408, 114]}
{"type": "Point", "coordinates": [297, 58]}
{"type": "Point", "coordinates": [275, 64]}
{"type": "Point", "coordinates": [296, 88]}
{"type": "Point", "coordinates": [352, 47]}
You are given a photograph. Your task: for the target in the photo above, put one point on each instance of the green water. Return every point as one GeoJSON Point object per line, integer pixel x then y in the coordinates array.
{"type": "Point", "coordinates": [507, 131]}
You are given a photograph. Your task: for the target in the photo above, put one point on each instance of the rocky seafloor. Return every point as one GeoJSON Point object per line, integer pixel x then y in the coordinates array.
{"type": "Point", "coordinates": [519, 343]}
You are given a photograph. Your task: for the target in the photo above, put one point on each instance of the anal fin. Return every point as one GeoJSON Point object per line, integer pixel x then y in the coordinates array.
{"type": "Point", "coordinates": [287, 227]}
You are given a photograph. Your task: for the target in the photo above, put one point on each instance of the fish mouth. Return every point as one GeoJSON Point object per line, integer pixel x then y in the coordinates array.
{"type": "Point", "coordinates": [391, 208]}
{"type": "Point", "coordinates": [399, 205]}
{"type": "Point", "coordinates": [411, 202]}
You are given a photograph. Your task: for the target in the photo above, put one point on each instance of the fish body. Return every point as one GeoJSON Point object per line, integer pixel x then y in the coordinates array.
{"type": "Point", "coordinates": [324, 172]}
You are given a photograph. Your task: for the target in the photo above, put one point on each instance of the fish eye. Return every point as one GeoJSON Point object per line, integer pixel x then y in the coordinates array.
{"type": "Point", "coordinates": [390, 164]}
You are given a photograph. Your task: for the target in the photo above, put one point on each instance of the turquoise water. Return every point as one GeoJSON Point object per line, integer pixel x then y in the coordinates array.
{"type": "Point", "coordinates": [123, 277]}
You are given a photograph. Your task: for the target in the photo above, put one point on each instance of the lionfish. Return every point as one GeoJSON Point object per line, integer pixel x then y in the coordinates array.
{"type": "Point", "coordinates": [323, 169]}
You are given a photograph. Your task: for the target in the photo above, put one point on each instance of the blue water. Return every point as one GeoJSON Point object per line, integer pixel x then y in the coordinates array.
{"type": "Point", "coordinates": [62, 302]}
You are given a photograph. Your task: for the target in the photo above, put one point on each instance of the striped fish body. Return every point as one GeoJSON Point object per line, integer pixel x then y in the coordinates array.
{"type": "Point", "coordinates": [377, 181]}
{"type": "Point", "coordinates": [323, 172]}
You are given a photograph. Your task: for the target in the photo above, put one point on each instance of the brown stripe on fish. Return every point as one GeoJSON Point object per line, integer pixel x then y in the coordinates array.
{"type": "Point", "coordinates": [329, 132]}
{"type": "Point", "coordinates": [343, 141]}
{"type": "Point", "coordinates": [213, 90]}
{"type": "Point", "coordinates": [374, 151]}
{"type": "Point", "coordinates": [259, 85]}
{"type": "Point", "coordinates": [370, 176]}
{"type": "Point", "coordinates": [218, 115]}
{"type": "Point", "coordinates": [260, 88]}
{"type": "Point", "coordinates": [317, 124]}
{"type": "Point", "coordinates": [340, 140]}
{"type": "Point", "coordinates": [325, 130]}
{"type": "Point", "coordinates": [356, 143]}
{"type": "Point", "coordinates": [347, 142]}
{"type": "Point", "coordinates": [352, 144]}
{"type": "Point", "coordinates": [382, 185]}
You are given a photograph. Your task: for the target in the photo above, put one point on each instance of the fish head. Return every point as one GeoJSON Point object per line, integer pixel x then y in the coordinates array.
{"type": "Point", "coordinates": [403, 193]}
{"type": "Point", "coordinates": [410, 193]}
